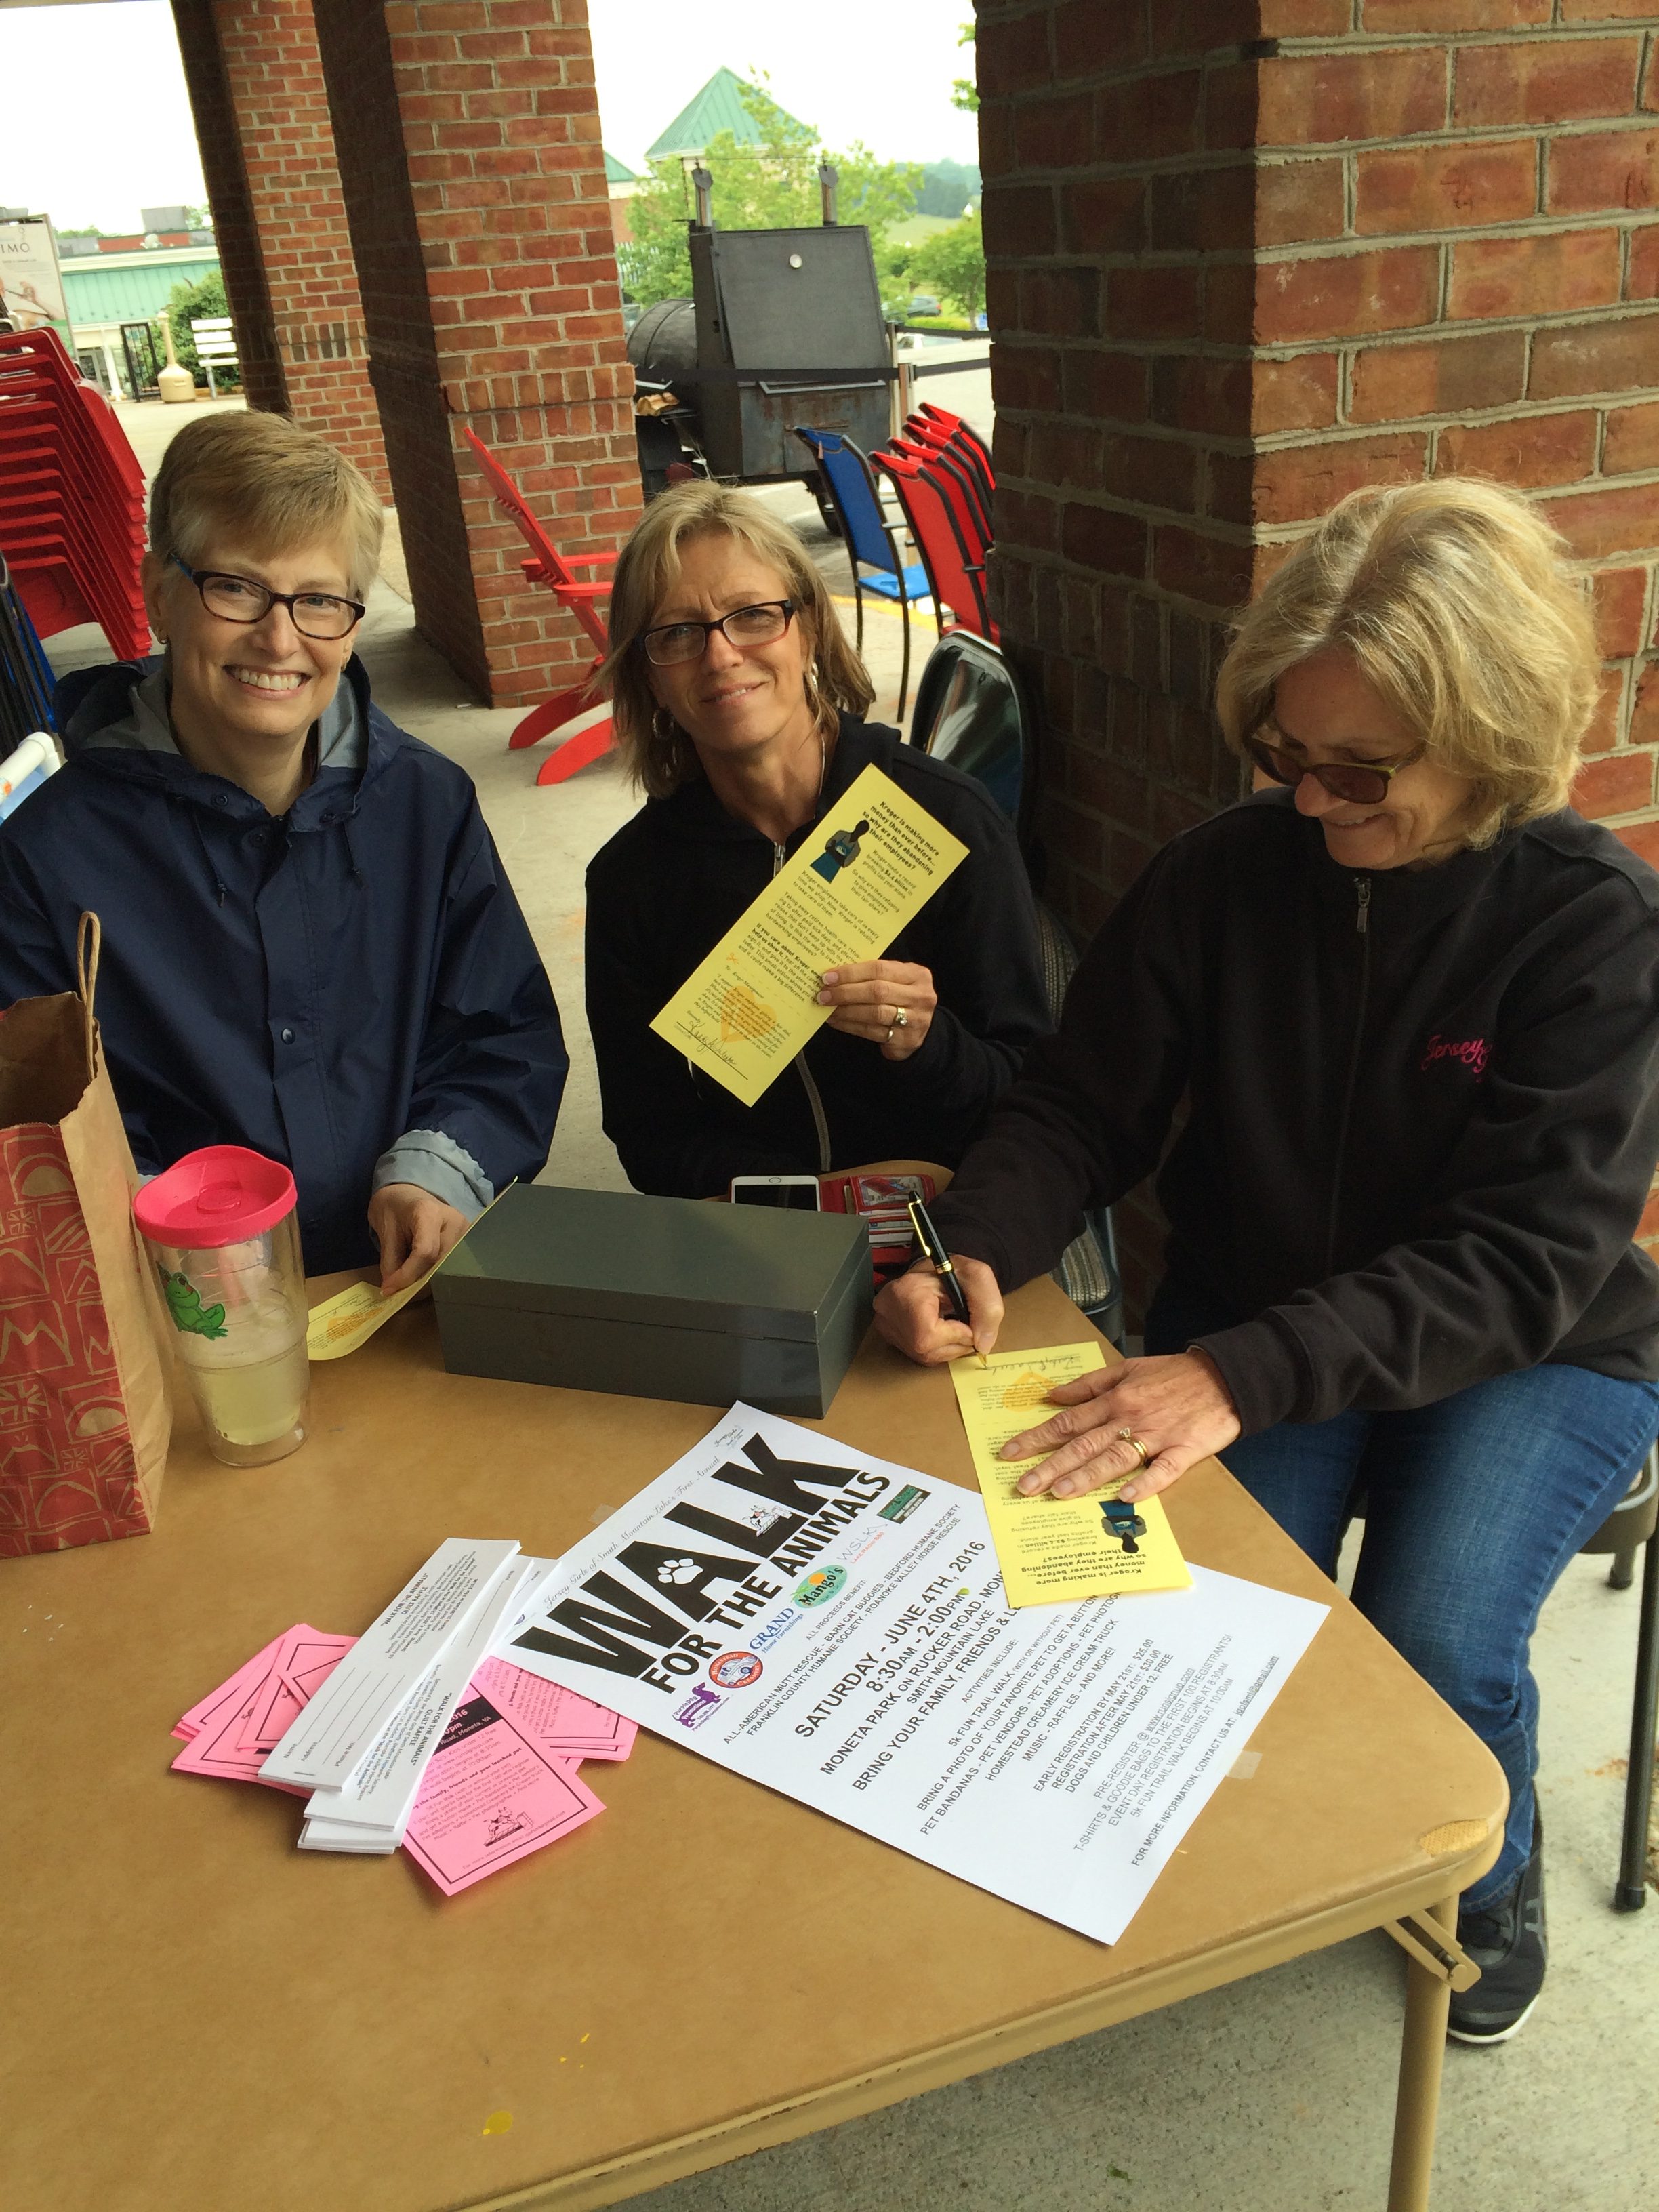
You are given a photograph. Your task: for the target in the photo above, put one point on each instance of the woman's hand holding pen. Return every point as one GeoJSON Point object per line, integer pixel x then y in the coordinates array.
{"type": "Point", "coordinates": [890, 1002]}
{"type": "Point", "coordinates": [913, 1312]}
{"type": "Point", "coordinates": [1176, 1411]}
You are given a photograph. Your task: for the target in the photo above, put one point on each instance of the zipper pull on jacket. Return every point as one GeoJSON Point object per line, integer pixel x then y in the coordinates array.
{"type": "Point", "coordinates": [1362, 913]}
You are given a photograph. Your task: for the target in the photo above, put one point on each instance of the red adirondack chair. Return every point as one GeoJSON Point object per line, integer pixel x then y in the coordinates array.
{"type": "Point", "coordinates": [549, 567]}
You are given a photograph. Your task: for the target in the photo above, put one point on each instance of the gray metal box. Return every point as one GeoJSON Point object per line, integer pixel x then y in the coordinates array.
{"type": "Point", "coordinates": [658, 1297]}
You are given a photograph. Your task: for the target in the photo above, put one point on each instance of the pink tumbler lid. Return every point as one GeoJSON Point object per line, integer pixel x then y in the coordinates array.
{"type": "Point", "coordinates": [216, 1196]}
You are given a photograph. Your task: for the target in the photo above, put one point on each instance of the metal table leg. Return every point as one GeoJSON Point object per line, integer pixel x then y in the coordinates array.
{"type": "Point", "coordinates": [1631, 1893]}
{"type": "Point", "coordinates": [1422, 2052]}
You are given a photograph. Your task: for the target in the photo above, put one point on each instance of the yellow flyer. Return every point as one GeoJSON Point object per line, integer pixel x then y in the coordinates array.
{"type": "Point", "coordinates": [1056, 1548]}
{"type": "Point", "coordinates": [874, 861]}
{"type": "Point", "coordinates": [352, 1316]}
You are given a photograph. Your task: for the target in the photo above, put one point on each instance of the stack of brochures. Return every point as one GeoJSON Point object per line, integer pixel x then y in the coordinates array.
{"type": "Point", "coordinates": [414, 1734]}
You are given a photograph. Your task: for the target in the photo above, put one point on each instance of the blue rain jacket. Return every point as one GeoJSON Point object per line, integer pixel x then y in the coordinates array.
{"type": "Point", "coordinates": [316, 988]}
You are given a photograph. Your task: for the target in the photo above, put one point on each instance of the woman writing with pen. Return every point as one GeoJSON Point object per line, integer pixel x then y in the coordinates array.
{"type": "Point", "coordinates": [1411, 1002]}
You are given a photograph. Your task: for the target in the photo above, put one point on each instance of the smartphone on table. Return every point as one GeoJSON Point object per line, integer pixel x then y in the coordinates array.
{"type": "Point", "coordinates": [793, 1194]}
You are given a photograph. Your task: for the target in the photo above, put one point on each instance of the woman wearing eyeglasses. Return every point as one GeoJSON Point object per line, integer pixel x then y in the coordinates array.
{"type": "Point", "coordinates": [739, 707]}
{"type": "Point", "coordinates": [310, 947]}
{"type": "Point", "coordinates": [1411, 1002]}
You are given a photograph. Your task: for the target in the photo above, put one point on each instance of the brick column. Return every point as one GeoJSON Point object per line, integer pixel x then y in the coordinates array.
{"type": "Point", "coordinates": [261, 117]}
{"type": "Point", "coordinates": [236, 228]}
{"type": "Point", "coordinates": [468, 139]}
{"type": "Point", "coordinates": [1247, 254]}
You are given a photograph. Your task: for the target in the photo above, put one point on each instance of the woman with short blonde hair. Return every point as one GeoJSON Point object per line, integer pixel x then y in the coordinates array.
{"type": "Point", "coordinates": [1411, 1004]}
{"type": "Point", "coordinates": [738, 707]}
{"type": "Point", "coordinates": [311, 947]}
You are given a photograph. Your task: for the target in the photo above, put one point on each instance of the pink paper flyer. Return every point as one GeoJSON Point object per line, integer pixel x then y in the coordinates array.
{"type": "Point", "coordinates": [490, 1795]}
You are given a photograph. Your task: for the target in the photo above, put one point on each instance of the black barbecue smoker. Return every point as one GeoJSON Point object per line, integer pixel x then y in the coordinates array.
{"type": "Point", "coordinates": [783, 327]}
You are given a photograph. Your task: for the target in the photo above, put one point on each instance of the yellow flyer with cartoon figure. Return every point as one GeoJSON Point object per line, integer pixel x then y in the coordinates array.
{"type": "Point", "coordinates": [874, 861]}
{"type": "Point", "coordinates": [1052, 1549]}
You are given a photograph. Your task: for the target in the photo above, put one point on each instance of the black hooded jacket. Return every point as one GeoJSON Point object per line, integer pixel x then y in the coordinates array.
{"type": "Point", "coordinates": [671, 883]}
{"type": "Point", "coordinates": [1424, 1110]}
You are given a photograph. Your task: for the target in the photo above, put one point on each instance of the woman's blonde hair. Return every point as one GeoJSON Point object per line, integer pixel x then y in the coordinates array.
{"type": "Point", "coordinates": [1455, 599]}
{"type": "Point", "coordinates": [276, 486]}
{"type": "Point", "coordinates": [660, 756]}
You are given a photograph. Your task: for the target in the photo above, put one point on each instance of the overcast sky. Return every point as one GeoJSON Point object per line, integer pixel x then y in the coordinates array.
{"type": "Point", "coordinates": [94, 122]}
{"type": "Point", "coordinates": [876, 70]}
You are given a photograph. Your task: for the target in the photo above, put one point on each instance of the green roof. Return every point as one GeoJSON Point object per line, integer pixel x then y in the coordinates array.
{"type": "Point", "coordinates": [618, 173]}
{"type": "Point", "coordinates": [719, 106]}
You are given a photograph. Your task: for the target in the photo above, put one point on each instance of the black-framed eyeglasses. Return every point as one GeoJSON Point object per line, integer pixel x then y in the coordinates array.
{"type": "Point", "coordinates": [671, 644]}
{"type": "Point", "coordinates": [1362, 783]}
{"type": "Point", "coordinates": [240, 600]}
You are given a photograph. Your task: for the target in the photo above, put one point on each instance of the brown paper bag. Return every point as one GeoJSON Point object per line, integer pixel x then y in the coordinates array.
{"type": "Point", "coordinates": [85, 1405]}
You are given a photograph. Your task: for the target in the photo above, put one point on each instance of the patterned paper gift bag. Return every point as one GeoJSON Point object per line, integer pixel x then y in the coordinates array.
{"type": "Point", "coordinates": [85, 1412]}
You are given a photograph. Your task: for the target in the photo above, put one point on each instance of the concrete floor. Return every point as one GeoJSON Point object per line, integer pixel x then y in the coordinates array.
{"type": "Point", "coordinates": [1275, 2095]}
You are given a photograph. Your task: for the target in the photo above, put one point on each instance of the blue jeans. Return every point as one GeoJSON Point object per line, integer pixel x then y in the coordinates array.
{"type": "Point", "coordinates": [1473, 1506]}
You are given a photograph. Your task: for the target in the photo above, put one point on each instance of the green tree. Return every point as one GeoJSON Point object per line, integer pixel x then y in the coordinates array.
{"type": "Point", "coordinates": [199, 301]}
{"type": "Point", "coordinates": [965, 93]}
{"type": "Point", "coordinates": [953, 264]}
{"type": "Point", "coordinates": [771, 186]}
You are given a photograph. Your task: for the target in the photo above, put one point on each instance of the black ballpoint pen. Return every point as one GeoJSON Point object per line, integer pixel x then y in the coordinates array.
{"type": "Point", "coordinates": [933, 1251]}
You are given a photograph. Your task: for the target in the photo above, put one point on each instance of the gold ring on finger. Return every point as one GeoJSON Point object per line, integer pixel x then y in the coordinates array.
{"type": "Point", "coordinates": [1129, 1437]}
{"type": "Point", "coordinates": [901, 1019]}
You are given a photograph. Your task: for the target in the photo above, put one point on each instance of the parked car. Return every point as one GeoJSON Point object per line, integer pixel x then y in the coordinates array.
{"type": "Point", "coordinates": [924, 303]}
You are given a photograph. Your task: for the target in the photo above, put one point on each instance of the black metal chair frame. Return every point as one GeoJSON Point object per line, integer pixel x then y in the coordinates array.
{"type": "Point", "coordinates": [1631, 1893]}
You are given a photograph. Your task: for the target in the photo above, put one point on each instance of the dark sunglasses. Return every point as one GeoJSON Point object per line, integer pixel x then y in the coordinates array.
{"type": "Point", "coordinates": [1362, 784]}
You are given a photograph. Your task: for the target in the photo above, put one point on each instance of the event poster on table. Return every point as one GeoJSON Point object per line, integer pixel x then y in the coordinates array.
{"type": "Point", "coordinates": [873, 862]}
{"type": "Point", "coordinates": [835, 1626]}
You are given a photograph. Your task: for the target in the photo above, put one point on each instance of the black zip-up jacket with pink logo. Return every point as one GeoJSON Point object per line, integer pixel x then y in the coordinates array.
{"type": "Point", "coordinates": [1423, 1108]}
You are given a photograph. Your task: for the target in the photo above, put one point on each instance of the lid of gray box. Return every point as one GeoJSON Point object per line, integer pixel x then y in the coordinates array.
{"type": "Point", "coordinates": [674, 1262]}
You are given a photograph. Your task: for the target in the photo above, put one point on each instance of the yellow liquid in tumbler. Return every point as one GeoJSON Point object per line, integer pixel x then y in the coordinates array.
{"type": "Point", "coordinates": [260, 1402]}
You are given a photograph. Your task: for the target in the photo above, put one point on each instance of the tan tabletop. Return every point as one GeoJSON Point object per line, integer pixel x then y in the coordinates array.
{"type": "Point", "coordinates": [199, 2018]}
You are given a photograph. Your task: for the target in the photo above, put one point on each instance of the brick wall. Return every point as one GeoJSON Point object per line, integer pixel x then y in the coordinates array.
{"type": "Point", "coordinates": [276, 80]}
{"type": "Point", "coordinates": [1247, 254]}
{"type": "Point", "coordinates": [1489, 304]}
{"type": "Point", "coordinates": [468, 136]}
{"type": "Point", "coordinates": [236, 229]}
{"type": "Point", "coordinates": [262, 121]}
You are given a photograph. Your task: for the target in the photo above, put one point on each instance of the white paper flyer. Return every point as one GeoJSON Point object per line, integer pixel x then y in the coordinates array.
{"type": "Point", "coordinates": [834, 1626]}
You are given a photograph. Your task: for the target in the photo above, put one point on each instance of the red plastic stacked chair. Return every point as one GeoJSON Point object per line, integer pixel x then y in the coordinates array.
{"type": "Point", "coordinates": [71, 496]}
{"type": "Point", "coordinates": [936, 431]}
{"type": "Point", "coordinates": [940, 519]}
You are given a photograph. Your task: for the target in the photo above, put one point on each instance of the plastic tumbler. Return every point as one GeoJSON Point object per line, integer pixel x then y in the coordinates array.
{"type": "Point", "coordinates": [222, 1230]}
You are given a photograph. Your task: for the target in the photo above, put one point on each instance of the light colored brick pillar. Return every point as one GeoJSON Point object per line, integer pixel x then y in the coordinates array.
{"type": "Point", "coordinates": [468, 139]}
{"type": "Point", "coordinates": [256, 80]}
{"type": "Point", "coordinates": [1247, 254]}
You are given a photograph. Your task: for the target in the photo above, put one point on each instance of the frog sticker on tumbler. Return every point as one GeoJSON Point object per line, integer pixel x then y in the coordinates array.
{"type": "Point", "coordinates": [190, 1317]}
